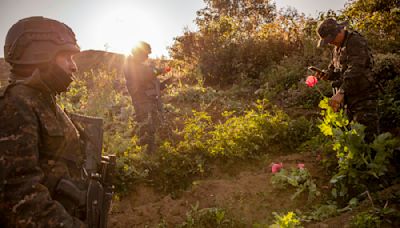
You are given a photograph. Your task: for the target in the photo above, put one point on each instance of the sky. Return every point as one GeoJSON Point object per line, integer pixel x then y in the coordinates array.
{"type": "Point", "coordinates": [116, 25]}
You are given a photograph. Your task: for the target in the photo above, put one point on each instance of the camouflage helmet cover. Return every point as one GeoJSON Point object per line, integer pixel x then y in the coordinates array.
{"type": "Point", "coordinates": [37, 40]}
{"type": "Point", "coordinates": [327, 31]}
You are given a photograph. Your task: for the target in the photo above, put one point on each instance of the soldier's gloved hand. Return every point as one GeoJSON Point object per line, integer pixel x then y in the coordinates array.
{"type": "Point", "coordinates": [336, 101]}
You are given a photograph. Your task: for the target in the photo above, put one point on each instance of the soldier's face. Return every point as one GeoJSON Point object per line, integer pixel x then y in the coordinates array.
{"type": "Point", "coordinates": [338, 39]}
{"type": "Point", "coordinates": [65, 61]}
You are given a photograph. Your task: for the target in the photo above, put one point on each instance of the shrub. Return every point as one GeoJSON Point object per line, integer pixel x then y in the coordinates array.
{"type": "Point", "coordinates": [289, 220]}
{"type": "Point", "coordinates": [358, 162]}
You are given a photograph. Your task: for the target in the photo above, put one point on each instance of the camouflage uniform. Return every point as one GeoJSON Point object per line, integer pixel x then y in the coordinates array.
{"type": "Point", "coordinates": [144, 88]}
{"type": "Point", "coordinates": [39, 146]}
{"type": "Point", "coordinates": [351, 71]}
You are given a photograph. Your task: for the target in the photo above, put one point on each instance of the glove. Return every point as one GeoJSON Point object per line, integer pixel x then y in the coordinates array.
{"type": "Point", "coordinates": [336, 101]}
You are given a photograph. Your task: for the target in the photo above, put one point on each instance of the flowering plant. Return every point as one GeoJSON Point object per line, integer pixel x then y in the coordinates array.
{"type": "Point", "coordinates": [312, 81]}
{"type": "Point", "coordinates": [276, 167]}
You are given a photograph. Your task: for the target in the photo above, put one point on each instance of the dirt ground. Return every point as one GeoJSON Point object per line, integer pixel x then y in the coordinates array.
{"type": "Point", "coordinates": [248, 195]}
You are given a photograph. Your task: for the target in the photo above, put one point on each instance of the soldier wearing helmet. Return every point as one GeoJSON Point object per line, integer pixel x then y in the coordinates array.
{"type": "Point", "coordinates": [145, 90]}
{"type": "Point", "coordinates": [40, 146]}
{"type": "Point", "coordinates": [351, 72]}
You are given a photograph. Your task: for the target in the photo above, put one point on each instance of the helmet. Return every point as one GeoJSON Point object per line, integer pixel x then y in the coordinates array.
{"type": "Point", "coordinates": [141, 47]}
{"type": "Point", "coordinates": [37, 40]}
{"type": "Point", "coordinates": [327, 31]}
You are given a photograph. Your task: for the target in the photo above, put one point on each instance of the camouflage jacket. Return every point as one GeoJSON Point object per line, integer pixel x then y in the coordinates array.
{"type": "Point", "coordinates": [142, 82]}
{"type": "Point", "coordinates": [39, 146]}
{"type": "Point", "coordinates": [351, 69]}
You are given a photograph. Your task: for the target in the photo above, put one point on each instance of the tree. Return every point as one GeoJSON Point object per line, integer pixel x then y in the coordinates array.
{"type": "Point", "coordinates": [378, 20]}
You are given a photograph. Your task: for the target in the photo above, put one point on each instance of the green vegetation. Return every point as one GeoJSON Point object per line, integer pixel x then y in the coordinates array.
{"type": "Point", "coordinates": [209, 217]}
{"type": "Point", "coordinates": [300, 179]}
{"type": "Point", "coordinates": [241, 97]}
{"type": "Point", "coordinates": [289, 220]}
{"type": "Point", "coordinates": [359, 163]}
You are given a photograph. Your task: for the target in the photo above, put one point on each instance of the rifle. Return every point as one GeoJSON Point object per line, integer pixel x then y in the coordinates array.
{"type": "Point", "coordinates": [100, 170]}
{"type": "Point", "coordinates": [320, 73]}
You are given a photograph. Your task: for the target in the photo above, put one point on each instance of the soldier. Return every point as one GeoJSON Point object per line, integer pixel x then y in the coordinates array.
{"type": "Point", "coordinates": [351, 73]}
{"type": "Point", "coordinates": [39, 145]}
{"type": "Point", "coordinates": [145, 90]}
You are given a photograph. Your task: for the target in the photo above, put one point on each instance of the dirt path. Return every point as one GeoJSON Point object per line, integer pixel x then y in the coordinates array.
{"type": "Point", "coordinates": [248, 196]}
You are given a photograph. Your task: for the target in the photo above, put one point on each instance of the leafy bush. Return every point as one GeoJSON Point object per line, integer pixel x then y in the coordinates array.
{"type": "Point", "coordinates": [249, 135]}
{"type": "Point", "coordinates": [321, 212]}
{"type": "Point", "coordinates": [236, 43]}
{"type": "Point", "coordinates": [378, 20]}
{"type": "Point", "coordinates": [366, 219]}
{"type": "Point", "coordinates": [358, 162]}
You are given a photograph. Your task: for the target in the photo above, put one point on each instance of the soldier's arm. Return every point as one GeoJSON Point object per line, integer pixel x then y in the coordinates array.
{"type": "Point", "coordinates": [355, 78]}
{"type": "Point", "coordinates": [330, 73]}
{"type": "Point", "coordinates": [25, 202]}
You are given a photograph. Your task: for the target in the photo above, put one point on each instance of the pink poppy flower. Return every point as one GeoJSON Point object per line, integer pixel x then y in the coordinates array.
{"type": "Point", "coordinates": [276, 167]}
{"type": "Point", "coordinates": [311, 81]}
{"type": "Point", "coordinates": [300, 165]}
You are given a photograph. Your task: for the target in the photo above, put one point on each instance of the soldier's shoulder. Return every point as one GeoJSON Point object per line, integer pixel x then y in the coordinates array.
{"type": "Point", "coordinates": [17, 92]}
{"type": "Point", "coordinates": [357, 39]}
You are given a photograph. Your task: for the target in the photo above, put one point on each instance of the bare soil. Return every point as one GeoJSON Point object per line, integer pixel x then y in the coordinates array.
{"type": "Point", "coordinates": [247, 195]}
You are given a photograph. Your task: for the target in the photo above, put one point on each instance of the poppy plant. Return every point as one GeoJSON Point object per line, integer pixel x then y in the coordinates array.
{"type": "Point", "coordinates": [276, 167]}
{"type": "Point", "coordinates": [311, 81]}
{"type": "Point", "coordinates": [300, 165]}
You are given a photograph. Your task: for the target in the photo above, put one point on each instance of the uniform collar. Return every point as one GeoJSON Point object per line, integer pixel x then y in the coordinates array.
{"type": "Point", "coordinates": [36, 82]}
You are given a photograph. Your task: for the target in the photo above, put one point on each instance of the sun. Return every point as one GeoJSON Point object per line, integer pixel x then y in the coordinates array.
{"type": "Point", "coordinates": [123, 28]}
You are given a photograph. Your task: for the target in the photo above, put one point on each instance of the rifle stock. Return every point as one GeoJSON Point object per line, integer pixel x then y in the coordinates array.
{"type": "Point", "coordinates": [100, 170]}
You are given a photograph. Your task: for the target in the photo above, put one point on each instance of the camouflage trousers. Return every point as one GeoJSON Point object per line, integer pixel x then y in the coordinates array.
{"type": "Point", "coordinates": [148, 118]}
{"type": "Point", "coordinates": [366, 113]}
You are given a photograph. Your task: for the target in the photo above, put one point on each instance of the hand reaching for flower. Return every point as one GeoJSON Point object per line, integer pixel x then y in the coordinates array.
{"type": "Point", "coordinates": [336, 101]}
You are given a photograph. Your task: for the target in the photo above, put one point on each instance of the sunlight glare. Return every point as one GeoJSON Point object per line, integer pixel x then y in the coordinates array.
{"type": "Point", "coordinates": [122, 29]}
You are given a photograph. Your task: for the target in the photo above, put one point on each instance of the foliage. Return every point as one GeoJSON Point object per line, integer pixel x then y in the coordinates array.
{"type": "Point", "coordinates": [209, 217]}
{"type": "Point", "coordinates": [377, 217]}
{"type": "Point", "coordinates": [297, 178]}
{"type": "Point", "coordinates": [321, 212]}
{"type": "Point", "coordinates": [387, 69]}
{"type": "Point", "coordinates": [378, 20]}
{"type": "Point", "coordinates": [248, 135]}
{"type": "Point", "coordinates": [94, 93]}
{"type": "Point", "coordinates": [286, 81]}
{"type": "Point", "coordinates": [289, 220]}
{"type": "Point", "coordinates": [358, 162]}
{"type": "Point", "coordinates": [366, 219]}
{"type": "Point", "coordinates": [238, 40]}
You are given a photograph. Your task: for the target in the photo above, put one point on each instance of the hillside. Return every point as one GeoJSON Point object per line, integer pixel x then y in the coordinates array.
{"type": "Point", "coordinates": [93, 59]}
{"type": "Point", "coordinates": [242, 140]}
